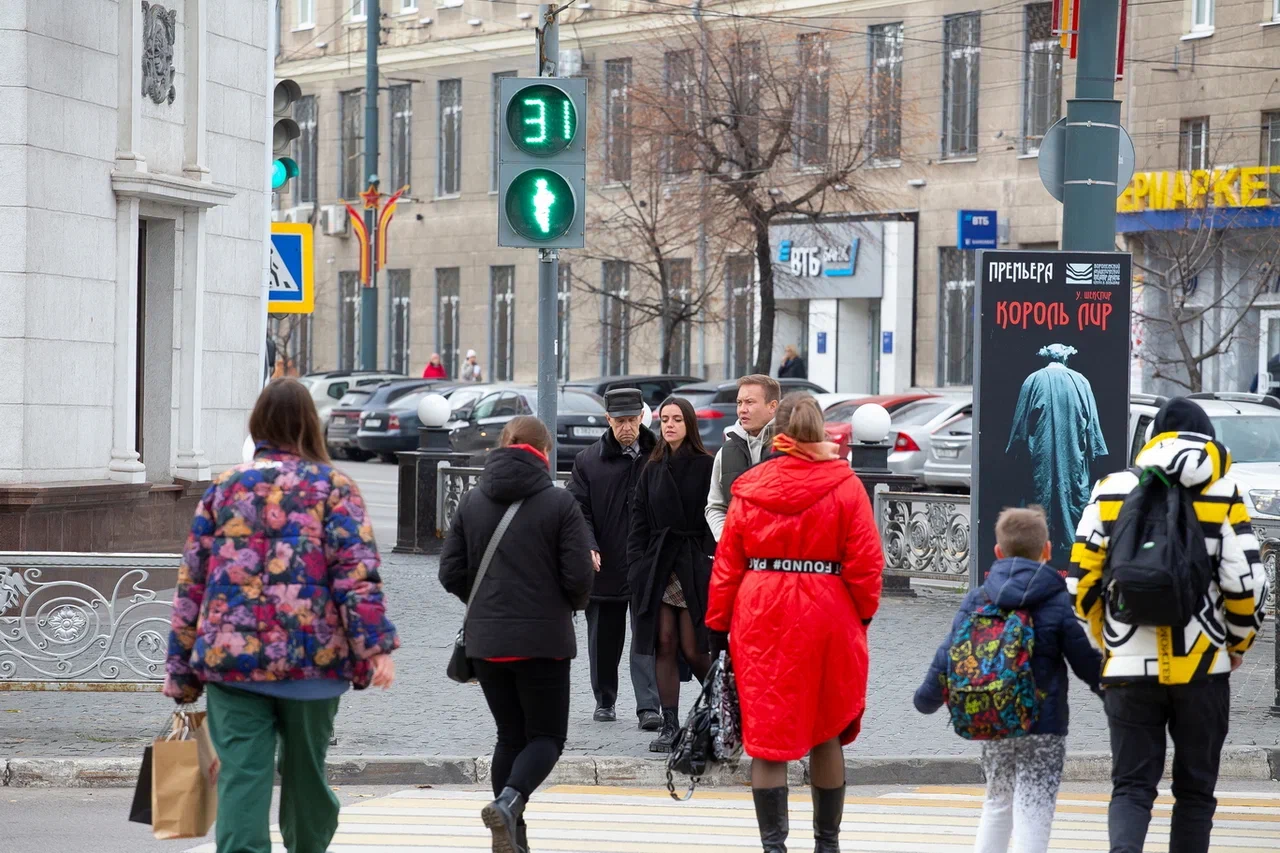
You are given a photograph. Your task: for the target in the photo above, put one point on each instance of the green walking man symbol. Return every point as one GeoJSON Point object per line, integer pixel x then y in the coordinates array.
{"type": "Point", "coordinates": [543, 198]}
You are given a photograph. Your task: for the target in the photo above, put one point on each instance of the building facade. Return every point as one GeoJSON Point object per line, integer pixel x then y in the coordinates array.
{"type": "Point", "coordinates": [958, 100]}
{"type": "Point", "coordinates": [133, 190]}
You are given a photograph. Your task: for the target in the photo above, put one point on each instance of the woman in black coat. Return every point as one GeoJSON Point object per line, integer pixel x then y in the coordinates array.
{"type": "Point", "coordinates": [519, 631]}
{"type": "Point", "coordinates": [668, 557]}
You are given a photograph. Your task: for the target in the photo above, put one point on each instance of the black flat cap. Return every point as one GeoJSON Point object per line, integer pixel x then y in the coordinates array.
{"type": "Point", "coordinates": [624, 402]}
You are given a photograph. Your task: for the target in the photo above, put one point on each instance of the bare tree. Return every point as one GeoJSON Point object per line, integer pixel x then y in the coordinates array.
{"type": "Point", "coordinates": [288, 333]}
{"type": "Point", "coordinates": [774, 121]}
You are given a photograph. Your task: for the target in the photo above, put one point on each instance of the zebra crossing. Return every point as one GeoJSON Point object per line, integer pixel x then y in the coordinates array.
{"type": "Point", "coordinates": [937, 819]}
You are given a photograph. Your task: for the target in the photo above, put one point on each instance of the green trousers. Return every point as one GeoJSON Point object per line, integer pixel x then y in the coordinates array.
{"type": "Point", "coordinates": [246, 728]}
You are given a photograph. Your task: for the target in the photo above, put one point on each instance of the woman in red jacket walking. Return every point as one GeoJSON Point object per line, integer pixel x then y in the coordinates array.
{"type": "Point", "coordinates": [795, 583]}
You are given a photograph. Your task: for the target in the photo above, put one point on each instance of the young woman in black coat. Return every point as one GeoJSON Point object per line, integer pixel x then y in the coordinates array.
{"type": "Point", "coordinates": [668, 557]}
{"type": "Point", "coordinates": [519, 633]}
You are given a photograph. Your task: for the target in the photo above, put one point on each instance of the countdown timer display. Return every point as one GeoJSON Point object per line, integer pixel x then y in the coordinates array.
{"type": "Point", "coordinates": [542, 120]}
{"type": "Point", "coordinates": [540, 205]}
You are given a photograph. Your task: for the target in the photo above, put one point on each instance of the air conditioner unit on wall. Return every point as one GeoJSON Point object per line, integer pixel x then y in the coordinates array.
{"type": "Point", "coordinates": [289, 214]}
{"type": "Point", "coordinates": [334, 219]}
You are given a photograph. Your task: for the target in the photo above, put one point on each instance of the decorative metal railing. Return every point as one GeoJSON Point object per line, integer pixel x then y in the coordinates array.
{"type": "Point", "coordinates": [454, 481]}
{"type": "Point", "coordinates": [84, 621]}
{"type": "Point", "coordinates": [924, 534]}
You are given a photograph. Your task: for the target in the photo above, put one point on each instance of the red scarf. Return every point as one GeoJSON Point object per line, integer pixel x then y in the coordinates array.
{"type": "Point", "coordinates": [535, 451]}
{"type": "Point", "coordinates": [809, 451]}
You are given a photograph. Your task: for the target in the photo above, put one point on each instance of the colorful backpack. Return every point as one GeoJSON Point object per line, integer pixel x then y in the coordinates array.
{"type": "Point", "coordinates": [989, 687]}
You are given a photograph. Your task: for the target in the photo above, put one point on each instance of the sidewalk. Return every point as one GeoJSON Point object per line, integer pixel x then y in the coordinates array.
{"type": "Point", "coordinates": [425, 715]}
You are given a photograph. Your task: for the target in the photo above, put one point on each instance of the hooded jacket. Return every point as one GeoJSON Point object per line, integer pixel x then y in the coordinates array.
{"type": "Point", "coordinates": [541, 572]}
{"type": "Point", "coordinates": [797, 638]}
{"type": "Point", "coordinates": [1020, 584]}
{"type": "Point", "coordinates": [743, 451]}
{"type": "Point", "coordinates": [1229, 615]}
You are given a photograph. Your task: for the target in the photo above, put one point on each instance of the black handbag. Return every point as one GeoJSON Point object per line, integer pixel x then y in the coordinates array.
{"type": "Point", "coordinates": [460, 668]}
{"type": "Point", "coordinates": [712, 733]}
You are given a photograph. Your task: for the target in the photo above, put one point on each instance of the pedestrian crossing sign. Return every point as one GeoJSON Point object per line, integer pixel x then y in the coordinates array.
{"type": "Point", "coordinates": [292, 276]}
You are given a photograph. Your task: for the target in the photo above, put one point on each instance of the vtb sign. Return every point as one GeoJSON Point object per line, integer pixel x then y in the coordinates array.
{"type": "Point", "coordinates": [542, 162]}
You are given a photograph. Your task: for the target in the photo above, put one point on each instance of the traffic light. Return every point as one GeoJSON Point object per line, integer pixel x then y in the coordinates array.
{"type": "Point", "coordinates": [542, 162]}
{"type": "Point", "coordinates": [283, 132]}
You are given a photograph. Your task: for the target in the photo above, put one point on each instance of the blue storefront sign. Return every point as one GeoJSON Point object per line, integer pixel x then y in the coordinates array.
{"type": "Point", "coordinates": [822, 343]}
{"type": "Point", "coordinates": [886, 343]}
{"type": "Point", "coordinates": [976, 229]}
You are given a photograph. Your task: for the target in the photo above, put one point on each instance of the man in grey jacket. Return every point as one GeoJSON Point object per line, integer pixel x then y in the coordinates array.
{"type": "Point", "coordinates": [745, 443]}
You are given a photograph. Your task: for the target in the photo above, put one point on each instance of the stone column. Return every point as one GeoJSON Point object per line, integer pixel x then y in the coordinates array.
{"type": "Point", "coordinates": [125, 465]}
{"type": "Point", "coordinates": [192, 464]}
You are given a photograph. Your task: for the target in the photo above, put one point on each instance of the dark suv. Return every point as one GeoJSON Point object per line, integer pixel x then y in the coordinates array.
{"type": "Point", "coordinates": [716, 404]}
{"type": "Point", "coordinates": [655, 388]}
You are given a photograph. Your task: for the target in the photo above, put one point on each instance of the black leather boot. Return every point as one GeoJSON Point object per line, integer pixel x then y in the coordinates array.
{"type": "Point", "coordinates": [670, 727]}
{"type": "Point", "coordinates": [828, 810]}
{"type": "Point", "coordinates": [502, 817]}
{"type": "Point", "coordinates": [522, 836]}
{"type": "Point", "coordinates": [771, 814]}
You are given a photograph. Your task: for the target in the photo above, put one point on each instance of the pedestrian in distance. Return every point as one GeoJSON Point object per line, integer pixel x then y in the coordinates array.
{"type": "Point", "coordinates": [519, 629]}
{"type": "Point", "coordinates": [471, 371]}
{"type": "Point", "coordinates": [1170, 587]}
{"type": "Point", "coordinates": [604, 480]}
{"type": "Point", "coordinates": [278, 611]}
{"type": "Point", "coordinates": [793, 366]}
{"type": "Point", "coordinates": [795, 584]}
{"type": "Point", "coordinates": [435, 368]}
{"type": "Point", "coordinates": [1024, 770]}
{"type": "Point", "coordinates": [668, 554]}
{"type": "Point", "coordinates": [745, 443]}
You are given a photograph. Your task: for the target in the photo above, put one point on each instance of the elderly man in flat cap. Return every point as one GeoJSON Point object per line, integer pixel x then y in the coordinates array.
{"type": "Point", "coordinates": [604, 478]}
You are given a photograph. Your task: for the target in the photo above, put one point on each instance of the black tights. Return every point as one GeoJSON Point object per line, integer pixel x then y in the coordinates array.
{"type": "Point", "coordinates": [676, 636]}
{"type": "Point", "coordinates": [529, 700]}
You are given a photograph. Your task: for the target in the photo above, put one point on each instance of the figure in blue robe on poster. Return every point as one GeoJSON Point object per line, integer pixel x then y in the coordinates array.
{"type": "Point", "coordinates": [1056, 430]}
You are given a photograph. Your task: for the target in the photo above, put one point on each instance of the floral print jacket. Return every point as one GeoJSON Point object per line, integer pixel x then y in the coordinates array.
{"type": "Point", "coordinates": [279, 581]}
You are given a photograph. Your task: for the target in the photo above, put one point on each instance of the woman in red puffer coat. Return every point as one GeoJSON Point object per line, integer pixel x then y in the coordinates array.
{"type": "Point", "coordinates": [795, 583]}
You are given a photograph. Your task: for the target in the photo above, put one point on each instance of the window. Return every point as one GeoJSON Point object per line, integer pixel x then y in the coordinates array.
{"type": "Point", "coordinates": [1269, 156]}
{"type": "Point", "coordinates": [447, 299]}
{"type": "Point", "coordinates": [960, 52]}
{"type": "Point", "coordinates": [814, 101]}
{"type": "Point", "coordinates": [502, 325]}
{"type": "Point", "coordinates": [1193, 144]}
{"type": "Point", "coordinates": [740, 294]}
{"type": "Point", "coordinates": [1042, 77]}
{"type": "Point", "coordinates": [615, 318]}
{"type": "Point", "coordinates": [1275, 11]}
{"type": "Point", "coordinates": [348, 319]}
{"type": "Point", "coordinates": [306, 14]}
{"type": "Point", "coordinates": [617, 120]}
{"type": "Point", "coordinates": [398, 293]}
{"type": "Point", "coordinates": [744, 104]}
{"type": "Point", "coordinates": [678, 82]}
{"type": "Point", "coordinates": [351, 109]}
{"type": "Point", "coordinates": [957, 272]}
{"type": "Point", "coordinates": [680, 323]}
{"type": "Point", "coordinates": [1202, 16]}
{"type": "Point", "coordinates": [564, 304]}
{"type": "Point", "coordinates": [401, 153]}
{"type": "Point", "coordinates": [407, 6]}
{"type": "Point", "coordinates": [449, 179]}
{"type": "Point", "coordinates": [359, 10]}
{"type": "Point", "coordinates": [306, 147]}
{"type": "Point", "coordinates": [496, 111]}
{"type": "Point", "coordinates": [886, 91]}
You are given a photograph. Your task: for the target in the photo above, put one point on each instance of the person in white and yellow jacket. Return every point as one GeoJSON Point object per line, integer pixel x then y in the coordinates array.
{"type": "Point", "coordinates": [1168, 677]}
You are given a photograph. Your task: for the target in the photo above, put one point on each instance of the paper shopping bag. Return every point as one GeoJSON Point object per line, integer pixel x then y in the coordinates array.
{"type": "Point", "coordinates": [184, 801]}
{"type": "Point", "coordinates": [140, 810]}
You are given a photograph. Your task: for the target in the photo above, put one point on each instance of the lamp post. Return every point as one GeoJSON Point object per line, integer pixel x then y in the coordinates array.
{"type": "Point", "coordinates": [869, 457]}
{"type": "Point", "coordinates": [417, 496]}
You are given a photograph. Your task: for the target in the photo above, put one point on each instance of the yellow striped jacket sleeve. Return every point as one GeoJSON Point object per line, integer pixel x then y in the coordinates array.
{"type": "Point", "coordinates": [1084, 579]}
{"type": "Point", "coordinates": [1241, 578]}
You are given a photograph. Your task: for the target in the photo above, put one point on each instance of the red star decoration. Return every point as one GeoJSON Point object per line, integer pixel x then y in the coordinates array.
{"type": "Point", "coordinates": [371, 197]}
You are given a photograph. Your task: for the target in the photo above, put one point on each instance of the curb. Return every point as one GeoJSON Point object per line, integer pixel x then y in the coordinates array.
{"type": "Point", "coordinates": [1238, 763]}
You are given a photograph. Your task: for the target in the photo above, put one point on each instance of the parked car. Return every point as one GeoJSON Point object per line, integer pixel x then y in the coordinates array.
{"type": "Point", "coordinates": [328, 388]}
{"type": "Point", "coordinates": [344, 424]}
{"type": "Point", "coordinates": [826, 401]}
{"type": "Point", "coordinates": [655, 388]}
{"type": "Point", "coordinates": [580, 420]}
{"type": "Point", "coordinates": [389, 422]}
{"type": "Point", "coordinates": [950, 463]}
{"type": "Point", "coordinates": [912, 431]}
{"type": "Point", "coordinates": [716, 404]}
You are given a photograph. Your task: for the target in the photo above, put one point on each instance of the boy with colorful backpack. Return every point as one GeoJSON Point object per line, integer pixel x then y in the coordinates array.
{"type": "Point", "coordinates": [1002, 672]}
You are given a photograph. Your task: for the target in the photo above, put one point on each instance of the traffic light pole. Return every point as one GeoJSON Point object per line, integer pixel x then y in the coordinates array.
{"type": "Point", "coordinates": [1092, 143]}
{"type": "Point", "coordinates": [369, 294]}
{"type": "Point", "coordinates": [548, 259]}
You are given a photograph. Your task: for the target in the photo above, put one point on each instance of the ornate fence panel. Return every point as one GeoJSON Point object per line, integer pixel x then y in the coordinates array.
{"type": "Point", "coordinates": [454, 481]}
{"type": "Point", "coordinates": [85, 621]}
{"type": "Point", "coordinates": [924, 534]}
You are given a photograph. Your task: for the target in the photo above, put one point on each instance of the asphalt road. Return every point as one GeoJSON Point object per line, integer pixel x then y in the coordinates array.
{"type": "Point", "coordinates": [378, 484]}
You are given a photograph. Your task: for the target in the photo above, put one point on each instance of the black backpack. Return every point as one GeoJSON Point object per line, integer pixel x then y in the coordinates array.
{"type": "Point", "coordinates": [1157, 568]}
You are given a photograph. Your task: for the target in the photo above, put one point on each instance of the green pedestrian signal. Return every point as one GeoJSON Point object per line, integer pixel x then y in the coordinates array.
{"type": "Point", "coordinates": [542, 162]}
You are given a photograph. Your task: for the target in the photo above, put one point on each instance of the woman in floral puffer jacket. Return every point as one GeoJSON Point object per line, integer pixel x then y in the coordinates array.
{"type": "Point", "coordinates": [279, 610]}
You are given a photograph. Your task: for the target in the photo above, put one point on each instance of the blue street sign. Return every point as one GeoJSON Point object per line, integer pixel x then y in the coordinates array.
{"type": "Point", "coordinates": [886, 343]}
{"type": "Point", "coordinates": [292, 283]}
{"type": "Point", "coordinates": [822, 343]}
{"type": "Point", "coordinates": [976, 229]}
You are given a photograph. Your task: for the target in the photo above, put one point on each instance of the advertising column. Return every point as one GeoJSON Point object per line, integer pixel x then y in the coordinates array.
{"type": "Point", "coordinates": [1051, 388]}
